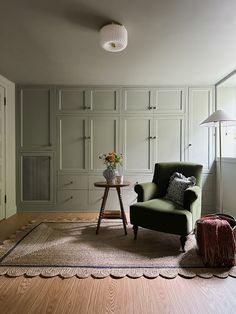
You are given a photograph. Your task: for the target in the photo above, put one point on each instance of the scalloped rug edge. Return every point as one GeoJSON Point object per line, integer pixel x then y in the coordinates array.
{"type": "Point", "coordinates": [82, 273]}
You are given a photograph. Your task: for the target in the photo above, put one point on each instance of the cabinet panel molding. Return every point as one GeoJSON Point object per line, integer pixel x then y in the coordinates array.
{"type": "Point", "coordinates": [138, 144]}
{"type": "Point", "coordinates": [137, 100]}
{"type": "Point", "coordinates": [201, 139]}
{"type": "Point", "coordinates": [36, 118]}
{"type": "Point", "coordinates": [88, 100]}
{"type": "Point", "coordinates": [74, 200]}
{"type": "Point", "coordinates": [104, 100]}
{"type": "Point", "coordinates": [71, 99]}
{"type": "Point", "coordinates": [73, 143]}
{"type": "Point", "coordinates": [70, 182]}
{"type": "Point", "coordinates": [104, 139]}
{"type": "Point", "coordinates": [169, 138]}
{"type": "Point", "coordinates": [170, 100]}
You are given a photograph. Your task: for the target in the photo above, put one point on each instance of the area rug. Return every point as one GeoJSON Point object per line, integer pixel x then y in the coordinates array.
{"type": "Point", "coordinates": [72, 248]}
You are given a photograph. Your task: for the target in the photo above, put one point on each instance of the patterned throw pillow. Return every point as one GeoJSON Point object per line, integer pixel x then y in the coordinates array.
{"type": "Point", "coordinates": [177, 185]}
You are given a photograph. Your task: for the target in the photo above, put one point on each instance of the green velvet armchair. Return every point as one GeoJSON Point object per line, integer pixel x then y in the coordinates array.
{"type": "Point", "coordinates": [153, 211]}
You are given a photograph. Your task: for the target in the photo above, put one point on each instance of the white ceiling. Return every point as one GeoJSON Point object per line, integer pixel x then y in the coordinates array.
{"type": "Point", "coordinates": [171, 42]}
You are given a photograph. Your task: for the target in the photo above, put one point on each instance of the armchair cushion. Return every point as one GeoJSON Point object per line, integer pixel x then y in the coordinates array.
{"type": "Point", "coordinates": [162, 215]}
{"type": "Point", "coordinates": [177, 186]}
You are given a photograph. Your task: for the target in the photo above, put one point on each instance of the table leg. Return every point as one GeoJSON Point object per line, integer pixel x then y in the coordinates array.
{"type": "Point", "coordinates": [104, 199]}
{"type": "Point", "coordinates": [122, 209]}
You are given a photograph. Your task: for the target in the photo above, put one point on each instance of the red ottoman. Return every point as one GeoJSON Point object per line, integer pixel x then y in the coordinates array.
{"type": "Point", "coordinates": [215, 235]}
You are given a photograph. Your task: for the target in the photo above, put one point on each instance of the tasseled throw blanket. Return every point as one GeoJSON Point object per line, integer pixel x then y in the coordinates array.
{"type": "Point", "coordinates": [216, 240]}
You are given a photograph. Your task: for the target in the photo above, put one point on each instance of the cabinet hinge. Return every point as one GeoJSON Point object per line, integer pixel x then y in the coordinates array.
{"type": "Point", "coordinates": [5, 198]}
{"type": "Point", "coordinates": [5, 101]}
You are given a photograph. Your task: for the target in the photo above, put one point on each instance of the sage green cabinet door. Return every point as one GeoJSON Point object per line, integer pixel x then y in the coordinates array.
{"type": "Point", "coordinates": [36, 121]}
{"type": "Point", "coordinates": [138, 145]}
{"type": "Point", "coordinates": [200, 146]}
{"type": "Point", "coordinates": [104, 99]}
{"type": "Point", "coordinates": [104, 139]}
{"type": "Point", "coordinates": [138, 100]}
{"type": "Point", "coordinates": [87, 100]}
{"type": "Point", "coordinates": [73, 143]}
{"type": "Point", "coordinates": [170, 100]}
{"type": "Point", "coordinates": [72, 99]}
{"type": "Point", "coordinates": [169, 138]}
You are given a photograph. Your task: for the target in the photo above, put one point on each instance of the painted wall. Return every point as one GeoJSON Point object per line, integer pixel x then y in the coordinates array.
{"type": "Point", "coordinates": [226, 100]}
{"type": "Point", "coordinates": [229, 184]}
{"type": "Point", "coordinates": [10, 146]}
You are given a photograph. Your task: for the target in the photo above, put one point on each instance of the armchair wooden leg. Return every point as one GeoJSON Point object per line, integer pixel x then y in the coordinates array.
{"type": "Point", "coordinates": [135, 228]}
{"type": "Point", "coordinates": [183, 240]}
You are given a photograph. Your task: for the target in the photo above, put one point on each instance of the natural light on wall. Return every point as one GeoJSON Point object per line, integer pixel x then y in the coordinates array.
{"type": "Point", "coordinates": [226, 100]}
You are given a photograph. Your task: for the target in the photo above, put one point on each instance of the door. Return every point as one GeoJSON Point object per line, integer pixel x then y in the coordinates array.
{"type": "Point", "coordinates": [36, 118]}
{"type": "Point", "coordinates": [138, 144]}
{"type": "Point", "coordinates": [2, 155]}
{"type": "Point", "coordinates": [200, 147]}
{"type": "Point", "coordinates": [104, 139]}
{"type": "Point", "coordinates": [73, 143]}
{"type": "Point", "coordinates": [138, 100]}
{"type": "Point", "coordinates": [169, 138]}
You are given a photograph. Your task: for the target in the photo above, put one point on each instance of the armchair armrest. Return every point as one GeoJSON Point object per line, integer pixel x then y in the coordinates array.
{"type": "Point", "coordinates": [192, 201]}
{"type": "Point", "coordinates": [146, 191]}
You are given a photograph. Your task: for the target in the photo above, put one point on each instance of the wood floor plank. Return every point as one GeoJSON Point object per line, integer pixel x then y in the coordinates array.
{"type": "Point", "coordinates": [120, 296]}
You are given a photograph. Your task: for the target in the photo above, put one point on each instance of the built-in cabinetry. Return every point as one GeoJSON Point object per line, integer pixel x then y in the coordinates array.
{"type": "Point", "coordinates": [36, 146]}
{"type": "Point", "coordinates": [62, 131]}
{"type": "Point", "coordinates": [201, 140]}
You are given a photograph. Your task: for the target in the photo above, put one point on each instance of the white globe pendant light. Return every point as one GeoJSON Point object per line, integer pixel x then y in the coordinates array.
{"type": "Point", "coordinates": [113, 37]}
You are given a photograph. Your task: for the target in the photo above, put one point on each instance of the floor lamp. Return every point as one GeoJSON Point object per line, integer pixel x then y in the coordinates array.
{"type": "Point", "coordinates": [218, 119]}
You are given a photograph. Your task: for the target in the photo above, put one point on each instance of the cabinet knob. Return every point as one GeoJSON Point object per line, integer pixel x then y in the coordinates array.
{"type": "Point", "coordinates": [189, 145]}
{"type": "Point", "coordinates": [71, 182]}
{"type": "Point", "coordinates": [87, 107]}
{"type": "Point", "coordinates": [71, 197]}
{"type": "Point", "coordinates": [87, 137]}
{"type": "Point", "coordinates": [154, 107]}
{"type": "Point", "coordinates": [152, 137]}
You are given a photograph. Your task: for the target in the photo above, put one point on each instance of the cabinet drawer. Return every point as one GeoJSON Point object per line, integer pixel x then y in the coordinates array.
{"type": "Point", "coordinates": [72, 199]}
{"type": "Point", "coordinates": [70, 182]}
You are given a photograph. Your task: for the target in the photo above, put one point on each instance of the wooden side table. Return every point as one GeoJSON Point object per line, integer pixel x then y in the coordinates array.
{"type": "Point", "coordinates": [112, 214]}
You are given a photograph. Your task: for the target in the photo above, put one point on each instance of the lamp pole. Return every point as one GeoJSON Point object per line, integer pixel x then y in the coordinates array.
{"type": "Point", "coordinates": [220, 172]}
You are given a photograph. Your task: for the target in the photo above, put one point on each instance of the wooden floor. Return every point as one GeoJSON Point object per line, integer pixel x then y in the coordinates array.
{"type": "Point", "coordinates": [55, 295]}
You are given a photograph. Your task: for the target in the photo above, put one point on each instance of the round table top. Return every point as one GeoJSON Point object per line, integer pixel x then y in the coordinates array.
{"type": "Point", "coordinates": [110, 185]}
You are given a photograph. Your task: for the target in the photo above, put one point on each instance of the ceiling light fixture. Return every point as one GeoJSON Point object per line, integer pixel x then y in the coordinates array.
{"type": "Point", "coordinates": [113, 37]}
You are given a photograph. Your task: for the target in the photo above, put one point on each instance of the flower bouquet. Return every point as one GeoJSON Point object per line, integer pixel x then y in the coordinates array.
{"type": "Point", "coordinates": [111, 160]}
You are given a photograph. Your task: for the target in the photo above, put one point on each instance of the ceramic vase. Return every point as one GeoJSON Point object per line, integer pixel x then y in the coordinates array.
{"type": "Point", "coordinates": [110, 175]}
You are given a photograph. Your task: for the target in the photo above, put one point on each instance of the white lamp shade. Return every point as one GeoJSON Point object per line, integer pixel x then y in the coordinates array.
{"type": "Point", "coordinates": [219, 116]}
{"type": "Point", "coordinates": [113, 37]}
